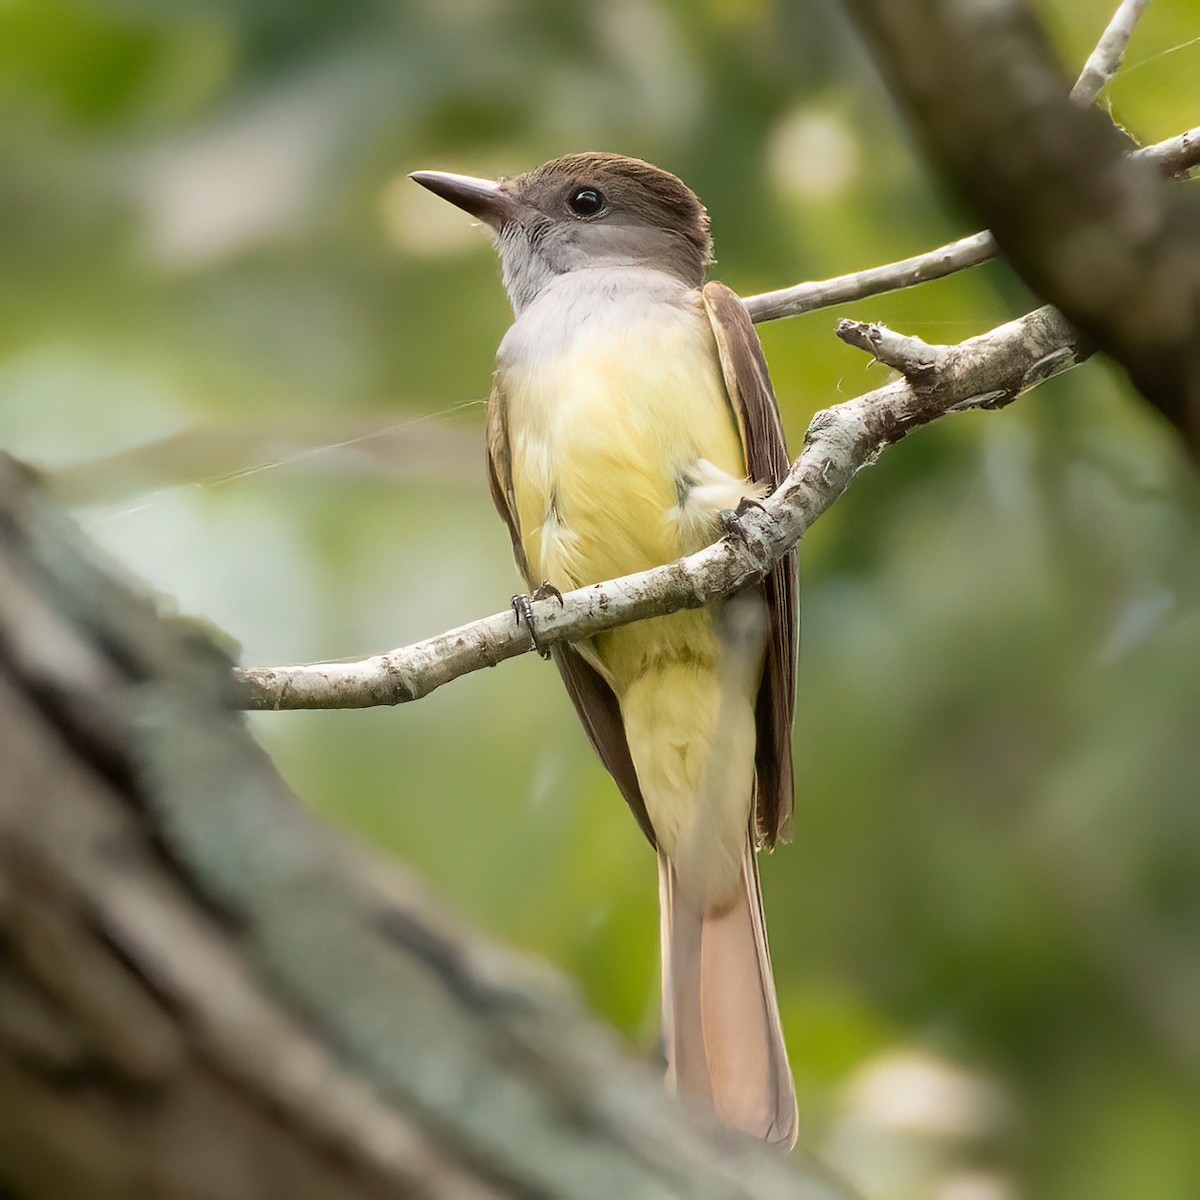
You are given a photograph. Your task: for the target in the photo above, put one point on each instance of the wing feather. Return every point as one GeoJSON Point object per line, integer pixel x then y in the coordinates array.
{"type": "Point", "coordinates": [594, 700]}
{"type": "Point", "coordinates": [753, 401]}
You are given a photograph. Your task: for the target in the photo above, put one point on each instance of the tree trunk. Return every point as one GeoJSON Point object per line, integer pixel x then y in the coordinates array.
{"type": "Point", "coordinates": [205, 994]}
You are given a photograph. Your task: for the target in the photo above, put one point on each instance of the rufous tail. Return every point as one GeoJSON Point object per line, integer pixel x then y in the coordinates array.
{"type": "Point", "coordinates": [724, 1043]}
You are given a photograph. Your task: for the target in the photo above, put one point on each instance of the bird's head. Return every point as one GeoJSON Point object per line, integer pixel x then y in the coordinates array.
{"type": "Point", "coordinates": [584, 211]}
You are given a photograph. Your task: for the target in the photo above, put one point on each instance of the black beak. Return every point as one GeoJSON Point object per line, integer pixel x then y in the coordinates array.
{"type": "Point", "coordinates": [482, 198]}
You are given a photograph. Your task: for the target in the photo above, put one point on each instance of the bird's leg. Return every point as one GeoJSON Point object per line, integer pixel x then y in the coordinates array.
{"type": "Point", "coordinates": [522, 606]}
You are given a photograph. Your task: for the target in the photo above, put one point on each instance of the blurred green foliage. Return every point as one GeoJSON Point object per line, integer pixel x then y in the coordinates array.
{"type": "Point", "coordinates": [254, 356]}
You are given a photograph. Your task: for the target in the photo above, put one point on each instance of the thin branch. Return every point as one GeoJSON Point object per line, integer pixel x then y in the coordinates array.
{"type": "Point", "coordinates": [824, 293]}
{"type": "Point", "coordinates": [982, 372]}
{"type": "Point", "coordinates": [1104, 62]}
{"type": "Point", "coordinates": [1173, 156]}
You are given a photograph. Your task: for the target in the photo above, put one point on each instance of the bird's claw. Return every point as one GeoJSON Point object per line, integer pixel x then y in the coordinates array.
{"type": "Point", "coordinates": [522, 606]}
{"type": "Point", "coordinates": [731, 518]}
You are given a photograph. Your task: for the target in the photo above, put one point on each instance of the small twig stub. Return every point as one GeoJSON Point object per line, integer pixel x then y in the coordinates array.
{"type": "Point", "coordinates": [915, 359]}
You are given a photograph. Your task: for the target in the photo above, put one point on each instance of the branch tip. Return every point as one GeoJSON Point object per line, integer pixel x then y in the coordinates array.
{"type": "Point", "coordinates": [915, 359]}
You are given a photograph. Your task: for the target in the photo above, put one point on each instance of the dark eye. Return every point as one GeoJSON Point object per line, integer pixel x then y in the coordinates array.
{"type": "Point", "coordinates": [585, 202]}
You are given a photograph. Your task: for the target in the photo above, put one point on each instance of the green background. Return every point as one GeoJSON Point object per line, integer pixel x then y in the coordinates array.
{"type": "Point", "coordinates": [254, 358]}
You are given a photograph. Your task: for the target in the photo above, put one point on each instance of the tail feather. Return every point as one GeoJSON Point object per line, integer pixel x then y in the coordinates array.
{"type": "Point", "coordinates": [721, 1024]}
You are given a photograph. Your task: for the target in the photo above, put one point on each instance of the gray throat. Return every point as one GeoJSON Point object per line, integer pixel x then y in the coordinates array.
{"type": "Point", "coordinates": [534, 256]}
{"type": "Point", "coordinates": [593, 302]}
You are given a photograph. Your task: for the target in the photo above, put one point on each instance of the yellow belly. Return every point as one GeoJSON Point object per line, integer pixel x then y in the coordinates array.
{"type": "Point", "coordinates": [600, 439]}
{"type": "Point", "coordinates": [623, 451]}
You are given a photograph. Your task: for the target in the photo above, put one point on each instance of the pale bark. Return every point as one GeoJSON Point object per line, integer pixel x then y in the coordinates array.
{"type": "Point", "coordinates": [983, 372]}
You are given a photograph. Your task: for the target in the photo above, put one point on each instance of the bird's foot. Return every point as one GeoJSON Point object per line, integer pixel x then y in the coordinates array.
{"type": "Point", "coordinates": [731, 518]}
{"type": "Point", "coordinates": [522, 606]}
{"type": "Point", "coordinates": [749, 540]}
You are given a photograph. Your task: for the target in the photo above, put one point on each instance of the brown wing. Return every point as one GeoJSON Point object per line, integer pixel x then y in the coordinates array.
{"type": "Point", "coordinates": [593, 699]}
{"type": "Point", "coordinates": [753, 400]}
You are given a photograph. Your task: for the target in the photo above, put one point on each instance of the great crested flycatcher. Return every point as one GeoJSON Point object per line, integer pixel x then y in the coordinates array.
{"type": "Point", "coordinates": [631, 409]}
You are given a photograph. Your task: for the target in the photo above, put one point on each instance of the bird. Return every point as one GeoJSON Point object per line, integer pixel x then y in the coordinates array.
{"type": "Point", "coordinates": [631, 419]}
